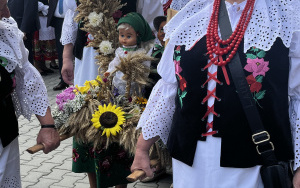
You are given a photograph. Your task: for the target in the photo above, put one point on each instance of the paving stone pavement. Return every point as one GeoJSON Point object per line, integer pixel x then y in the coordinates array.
{"type": "Point", "coordinates": [53, 170]}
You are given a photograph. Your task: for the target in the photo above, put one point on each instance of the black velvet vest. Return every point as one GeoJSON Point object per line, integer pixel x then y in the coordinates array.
{"type": "Point", "coordinates": [269, 87]}
{"type": "Point", "coordinates": [9, 124]}
{"type": "Point", "coordinates": [81, 38]}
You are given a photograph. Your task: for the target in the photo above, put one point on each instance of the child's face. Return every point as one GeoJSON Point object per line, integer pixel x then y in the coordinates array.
{"type": "Point", "coordinates": [127, 37]}
{"type": "Point", "coordinates": [161, 33]}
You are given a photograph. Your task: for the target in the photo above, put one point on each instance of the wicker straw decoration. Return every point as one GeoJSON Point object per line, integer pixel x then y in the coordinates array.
{"type": "Point", "coordinates": [134, 70]}
{"type": "Point", "coordinates": [79, 122]}
{"type": "Point", "coordinates": [105, 31]}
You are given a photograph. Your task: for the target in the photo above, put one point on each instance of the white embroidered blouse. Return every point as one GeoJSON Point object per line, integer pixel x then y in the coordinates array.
{"type": "Point", "coordinates": [30, 94]}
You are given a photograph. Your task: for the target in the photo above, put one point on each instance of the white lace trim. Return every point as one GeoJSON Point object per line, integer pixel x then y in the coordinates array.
{"type": "Point", "coordinates": [295, 128]}
{"type": "Point", "coordinates": [11, 43]}
{"type": "Point", "coordinates": [69, 28]}
{"type": "Point", "coordinates": [30, 94]}
{"type": "Point", "coordinates": [270, 19]}
{"type": "Point", "coordinates": [178, 4]}
{"type": "Point", "coordinates": [158, 114]}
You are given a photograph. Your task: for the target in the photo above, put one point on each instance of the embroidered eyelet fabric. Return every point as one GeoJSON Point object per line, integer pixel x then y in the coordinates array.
{"type": "Point", "coordinates": [295, 127]}
{"type": "Point", "coordinates": [294, 93]}
{"type": "Point", "coordinates": [269, 17]}
{"type": "Point", "coordinates": [157, 118]}
{"type": "Point", "coordinates": [10, 165]}
{"type": "Point", "coordinates": [70, 27]}
{"type": "Point", "coordinates": [30, 95]}
{"type": "Point", "coordinates": [178, 4]}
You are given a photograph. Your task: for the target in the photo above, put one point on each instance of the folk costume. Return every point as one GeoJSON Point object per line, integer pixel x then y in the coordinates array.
{"type": "Point", "coordinates": [204, 125]}
{"type": "Point", "coordinates": [23, 92]}
{"type": "Point", "coordinates": [44, 47]}
{"type": "Point", "coordinates": [111, 165]}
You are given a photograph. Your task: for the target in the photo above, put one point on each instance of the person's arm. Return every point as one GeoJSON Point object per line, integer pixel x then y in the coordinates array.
{"type": "Point", "coordinates": [68, 38]}
{"type": "Point", "coordinates": [155, 122]}
{"type": "Point", "coordinates": [141, 158]}
{"type": "Point", "coordinates": [67, 71]}
{"type": "Point", "coordinates": [49, 137]}
{"type": "Point", "coordinates": [294, 93]}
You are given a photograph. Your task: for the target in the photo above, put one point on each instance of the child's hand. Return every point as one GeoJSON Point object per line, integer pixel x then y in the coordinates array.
{"type": "Point", "coordinates": [106, 74]}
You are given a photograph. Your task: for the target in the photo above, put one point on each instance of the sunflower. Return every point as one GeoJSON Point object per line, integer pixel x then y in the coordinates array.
{"type": "Point", "coordinates": [108, 118]}
{"type": "Point", "coordinates": [141, 100]}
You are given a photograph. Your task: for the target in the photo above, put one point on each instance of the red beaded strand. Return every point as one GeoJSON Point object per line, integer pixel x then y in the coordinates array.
{"type": "Point", "coordinates": [213, 41]}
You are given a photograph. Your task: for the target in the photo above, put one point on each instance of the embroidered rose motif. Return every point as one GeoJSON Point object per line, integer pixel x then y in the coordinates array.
{"type": "Point", "coordinates": [104, 165]}
{"type": "Point", "coordinates": [254, 85]}
{"type": "Point", "coordinates": [178, 69]}
{"type": "Point", "coordinates": [182, 82]}
{"type": "Point", "coordinates": [75, 155]}
{"type": "Point", "coordinates": [257, 66]}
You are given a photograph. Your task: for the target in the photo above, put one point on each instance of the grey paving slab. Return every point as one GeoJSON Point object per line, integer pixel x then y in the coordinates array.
{"type": "Point", "coordinates": [54, 169]}
{"type": "Point", "coordinates": [43, 182]}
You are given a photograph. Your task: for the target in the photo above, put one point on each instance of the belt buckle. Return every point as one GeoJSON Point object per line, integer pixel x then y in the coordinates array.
{"type": "Point", "coordinates": [260, 134]}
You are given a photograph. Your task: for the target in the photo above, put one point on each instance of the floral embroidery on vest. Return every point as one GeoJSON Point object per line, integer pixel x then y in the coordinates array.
{"type": "Point", "coordinates": [258, 67]}
{"type": "Point", "coordinates": [4, 62]}
{"type": "Point", "coordinates": [182, 82]}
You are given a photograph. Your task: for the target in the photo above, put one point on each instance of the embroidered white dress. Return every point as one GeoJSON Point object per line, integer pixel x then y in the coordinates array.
{"type": "Point", "coordinates": [192, 21]}
{"type": "Point", "coordinates": [29, 96]}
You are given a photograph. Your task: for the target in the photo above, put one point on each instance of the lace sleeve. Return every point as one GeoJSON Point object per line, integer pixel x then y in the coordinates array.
{"type": "Point", "coordinates": [294, 93]}
{"type": "Point", "coordinates": [30, 95]}
{"type": "Point", "coordinates": [69, 28]}
{"type": "Point", "coordinates": [157, 118]}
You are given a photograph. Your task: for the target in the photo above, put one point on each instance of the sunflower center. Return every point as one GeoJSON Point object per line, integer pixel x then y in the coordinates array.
{"type": "Point", "coordinates": [108, 119]}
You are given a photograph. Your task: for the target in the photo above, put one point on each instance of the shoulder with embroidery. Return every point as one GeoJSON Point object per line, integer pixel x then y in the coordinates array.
{"type": "Point", "coordinates": [11, 43]}
{"type": "Point", "coordinates": [272, 19]}
{"type": "Point", "coordinates": [280, 19]}
{"type": "Point", "coordinates": [189, 23]}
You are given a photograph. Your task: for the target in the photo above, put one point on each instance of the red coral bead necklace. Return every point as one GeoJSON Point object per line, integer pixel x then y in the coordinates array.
{"type": "Point", "coordinates": [213, 41]}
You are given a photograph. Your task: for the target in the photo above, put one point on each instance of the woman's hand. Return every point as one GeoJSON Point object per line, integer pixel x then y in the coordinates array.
{"type": "Point", "coordinates": [142, 162]}
{"type": "Point", "coordinates": [67, 71]}
{"type": "Point", "coordinates": [49, 137]}
{"type": "Point", "coordinates": [141, 159]}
